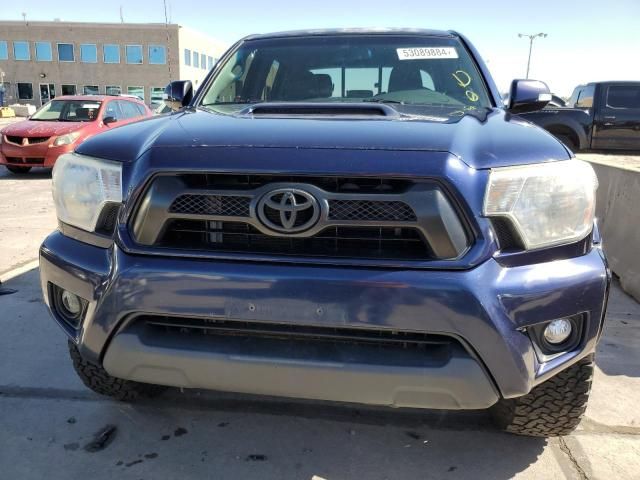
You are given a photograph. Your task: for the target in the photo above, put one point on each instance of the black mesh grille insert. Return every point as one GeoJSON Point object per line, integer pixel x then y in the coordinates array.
{"type": "Point", "coordinates": [506, 234]}
{"type": "Point", "coordinates": [351, 242]}
{"type": "Point", "coordinates": [108, 218]}
{"type": "Point", "coordinates": [366, 210]}
{"type": "Point", "coordinates": [224, 205]}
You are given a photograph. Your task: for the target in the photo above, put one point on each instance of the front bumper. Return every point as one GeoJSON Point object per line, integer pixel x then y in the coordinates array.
{"type": "Point", "coordinates": [486, 308]}
{"type": "Point", "coordinates": [39, 155]}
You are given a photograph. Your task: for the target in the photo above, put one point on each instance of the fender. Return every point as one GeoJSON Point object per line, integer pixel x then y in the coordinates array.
{"type": "Point", "coordinates": [564, 120]}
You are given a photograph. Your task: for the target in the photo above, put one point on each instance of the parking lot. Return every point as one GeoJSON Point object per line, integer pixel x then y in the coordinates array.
{"type": "Point", "coordinates": [50, 424]}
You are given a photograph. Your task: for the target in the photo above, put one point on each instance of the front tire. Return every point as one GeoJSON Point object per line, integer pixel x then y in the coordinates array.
{"type": "Point", "coordinates": [18, 170]}
{"type": "Point", "coordinates": [97, 379]}
{"type": "Point", "coordinates": [553, 408]}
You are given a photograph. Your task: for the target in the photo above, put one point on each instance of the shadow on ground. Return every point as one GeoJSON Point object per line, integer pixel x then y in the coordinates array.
{"type": "Point", "coordinates": [618, 352]}
{"type": "Point", "coordinates": [35, 174]}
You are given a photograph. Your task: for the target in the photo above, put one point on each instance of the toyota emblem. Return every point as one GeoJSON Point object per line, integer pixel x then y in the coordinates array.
{"type": "Point", "coordinates": [288, 210]}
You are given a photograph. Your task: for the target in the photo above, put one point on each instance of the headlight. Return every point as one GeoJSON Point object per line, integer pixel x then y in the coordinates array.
{"type": "Point", "coordinates": [82, 186]}
{"type": "Point", "coordinates": [66, 139]}
{"type": "Point", "coordinates": [548, 204]}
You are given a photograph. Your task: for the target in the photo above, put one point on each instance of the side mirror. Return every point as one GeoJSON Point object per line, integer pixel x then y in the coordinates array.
{"type": "Point", "coordinates": [528, 96]}
{"type": "Point", "coordinates": [178, 94]}
{"type": "Point", "coordinates": [109, 119]}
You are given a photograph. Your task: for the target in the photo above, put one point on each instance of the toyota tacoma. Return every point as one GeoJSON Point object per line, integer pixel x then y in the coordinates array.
{"type": "Point", "coordinates": [343, 215]}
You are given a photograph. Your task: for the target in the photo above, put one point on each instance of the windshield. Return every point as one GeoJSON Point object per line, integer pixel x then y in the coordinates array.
{"type": "Point", "coordinates": [411, 70]}
{"type": "Point", "coordinates": [68, 111]}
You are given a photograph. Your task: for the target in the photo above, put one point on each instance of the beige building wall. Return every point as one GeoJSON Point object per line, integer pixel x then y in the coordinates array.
{"type": "Point", "coordinates": [102, 74]}
{"type": "Point", "coordinates": [197, 42]}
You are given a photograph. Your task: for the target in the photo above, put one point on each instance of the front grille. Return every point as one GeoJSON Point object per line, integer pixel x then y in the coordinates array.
{"type": "Point", "coordinates": [30, 140]}
{"type": "Point", "coordinates": [342, 217]}
{"type": "Point", "coordinates": [378, 346]}
{"type": "Point", "coordinates": [349, 242]}
{"type": "Point", "coordinates": [224, 205]}
{"type": "Point", "coordinates": [366, 210]}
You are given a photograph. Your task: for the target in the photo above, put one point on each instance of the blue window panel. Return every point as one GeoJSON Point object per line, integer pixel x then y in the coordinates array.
{"type": "Point", "coordinates": [203, 61]}
{"type": "Point", "coordinates": [21, 51]}
{"type": "Point", "coordinates": [157, 55]}
{"type": "Point", "coordinates": [111, 53]}
{"type": "Point", "coordinates": [187, 57]}
{"type": "Point", "coordinates": [196, 59]}
{"type": "Point", "coordinates": [44, 52]}
{"type": "Point", "coordinates": [65, 52]}
{"type": "Point", "coordinates": [88, 53]}
{"type": "Point", "coordinates": [4, 51]}
{"type": "Point", "coordinates": [133, 54]}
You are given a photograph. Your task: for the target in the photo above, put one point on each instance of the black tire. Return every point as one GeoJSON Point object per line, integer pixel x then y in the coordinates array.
{"type": "Point", "coordinates": [552, 408]}
{"type": "Point", "coordinates": [568, 142]}
{"type": "Point", "coordinates": [18, 170]}
{"type": "Point", "coordinates": [98, 380]}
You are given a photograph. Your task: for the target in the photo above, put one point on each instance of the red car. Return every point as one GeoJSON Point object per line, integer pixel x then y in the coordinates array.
{"type": "Point", "coordinates": [60, 125]}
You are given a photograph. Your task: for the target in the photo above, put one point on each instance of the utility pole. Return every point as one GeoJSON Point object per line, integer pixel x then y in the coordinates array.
{"type": "Point", "coordinates": [531, 39]}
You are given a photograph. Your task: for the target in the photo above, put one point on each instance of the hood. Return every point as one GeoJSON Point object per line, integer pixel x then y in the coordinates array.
{"type": "Point", "coordinates": [32, 128]}
{"type": "Point", "coordinates": [491, 139]}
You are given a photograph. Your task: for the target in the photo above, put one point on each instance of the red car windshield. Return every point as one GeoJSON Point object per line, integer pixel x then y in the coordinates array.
{"type": "Point", "coordinates": [68, 111]}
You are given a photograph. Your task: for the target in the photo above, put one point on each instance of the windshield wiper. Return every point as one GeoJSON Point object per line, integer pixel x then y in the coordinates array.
{"type": "Point", "coordinates": [382, 100]}
{"type": "Point", "coordinates": [237, 102]}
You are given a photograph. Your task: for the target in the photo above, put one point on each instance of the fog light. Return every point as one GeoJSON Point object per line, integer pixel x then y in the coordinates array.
{"type": "Point", "coordinates": [71, 303]}
{"type": "Point", "coordinates": [68, 307]}
{"type": "Point", "coordinates": [557, 331]}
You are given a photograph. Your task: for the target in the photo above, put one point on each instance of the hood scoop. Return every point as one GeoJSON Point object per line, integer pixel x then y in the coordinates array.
{"type": "Point", "coordinates": [319, 110]}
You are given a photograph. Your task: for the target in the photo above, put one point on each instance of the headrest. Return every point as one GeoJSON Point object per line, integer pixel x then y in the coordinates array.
{"type": "Point", "coordinates": [405, 77]}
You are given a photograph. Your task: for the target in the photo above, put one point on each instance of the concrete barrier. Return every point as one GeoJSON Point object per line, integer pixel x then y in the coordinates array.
{"type": "Point", "coordinates": [23, 110]}
{"type": "Point", "coordinates": [618, 211]}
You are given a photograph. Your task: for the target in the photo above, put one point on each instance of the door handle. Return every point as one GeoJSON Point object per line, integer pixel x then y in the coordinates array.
{"type": "Point", "coordinates": [609, 117]}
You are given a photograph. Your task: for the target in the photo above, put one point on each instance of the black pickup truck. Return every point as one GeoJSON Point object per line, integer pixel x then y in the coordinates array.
{"type": "Point", "coordinates": [598, 116]}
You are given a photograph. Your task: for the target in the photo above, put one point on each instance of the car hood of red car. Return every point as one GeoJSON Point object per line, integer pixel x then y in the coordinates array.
{"type": "Point", "coordinates": [32, 128]}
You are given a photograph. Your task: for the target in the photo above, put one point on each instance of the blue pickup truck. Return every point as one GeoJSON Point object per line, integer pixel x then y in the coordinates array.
{"type": "Point", "coordinates": [343, 215]}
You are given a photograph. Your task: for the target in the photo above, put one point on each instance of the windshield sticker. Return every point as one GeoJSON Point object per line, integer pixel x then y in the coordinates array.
{"type": "Point", "coordinates": [90, 105]}
{"type": "Point", "coordinates": [424, 53]}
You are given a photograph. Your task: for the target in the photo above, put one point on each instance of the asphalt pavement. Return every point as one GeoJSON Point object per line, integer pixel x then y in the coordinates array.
{"type": "Point", "coordinates": [52, 427]}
